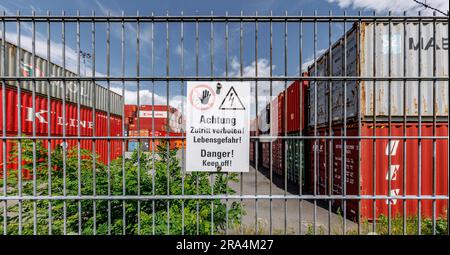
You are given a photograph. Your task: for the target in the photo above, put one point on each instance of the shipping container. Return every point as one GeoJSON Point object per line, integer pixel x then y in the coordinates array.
{"type": "Point", "coordinates": [253, 141]}
{"type": "Point", "coordinates": [362, 170]}
{"type": "Point", "coordinates": [296, 100]}
{"type": "Point", "coordinates": [252, 153]}
{"type": "Point", "coordinates": [278, 156]}
{"type": "Point", "coordinates": [272, 145]}
{"type": "Point", "coordinates": [104, 99]}
{"type": "Point", "coordinates": [277, 113]}
{"type": "Point", "coordinates": [319, 171]}
{"type": "Point", "coordinates": [295, 159]}
{"type": "Point", "coordinates": [74, 121]}
{"type": "Point", "coordinates": [322, 89]}
{"type": "Point", "coordinates": [264, 156]}
{"type": "Point", "coordinates": [399, 51]}
{"type": "Point", "coordinates": [160, 137]}
{"type": "Point", "coordinates": [158, 116]}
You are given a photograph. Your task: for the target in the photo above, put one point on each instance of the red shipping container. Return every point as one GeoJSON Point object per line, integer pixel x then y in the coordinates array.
{"type": "Point", "coordinates": [319, 170]}
{"type": "Point", "coordinates": [41, 118]}
{"type": "Point", "coordinates": [156, 116]}
{"type": "Point", "coordinates": [278, 157]}
{"type": "Point", "coordinates": [130, 110]}
{"type": "Point", "coordinates": [277, 115]}
{"type": "Point", "coordinates": [252, 153]}
{"type": "Point", "coordinates": [264, 155]}
{"type": "Point", "coordinates": [397, 171]}
{"type": "Point", "coordinates": [297, 107]}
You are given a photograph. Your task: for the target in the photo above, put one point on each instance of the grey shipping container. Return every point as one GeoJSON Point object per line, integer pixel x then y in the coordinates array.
{"type": "Point", "coordinates": [74, 89]}
{"type": "Point", "coordinates": [322, 90]}
{"type": "Point", "coordinates": [383, 50]}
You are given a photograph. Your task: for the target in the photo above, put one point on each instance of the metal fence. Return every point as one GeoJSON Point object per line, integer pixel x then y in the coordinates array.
{"type": "Point", "coordinates": [169, 50]}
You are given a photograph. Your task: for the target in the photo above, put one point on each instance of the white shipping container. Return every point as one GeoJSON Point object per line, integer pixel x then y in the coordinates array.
{"type": "Point", "coordinates": [370, 55]}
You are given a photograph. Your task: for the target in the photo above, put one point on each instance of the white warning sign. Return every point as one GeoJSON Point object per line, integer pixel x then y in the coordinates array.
{"type": "Point", "coordinates": [217, 126]}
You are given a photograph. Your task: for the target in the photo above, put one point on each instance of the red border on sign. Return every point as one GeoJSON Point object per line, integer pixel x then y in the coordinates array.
{"type": "Point", "coordinates": [211, 101]}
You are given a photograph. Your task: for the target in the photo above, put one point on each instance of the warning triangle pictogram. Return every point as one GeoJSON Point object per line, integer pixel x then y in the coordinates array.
{"type": "Point", "coordinates": [231, 101]}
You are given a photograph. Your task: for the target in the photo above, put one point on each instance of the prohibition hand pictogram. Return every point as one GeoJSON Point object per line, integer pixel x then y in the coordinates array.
{"type": "Point", "coordinates": [205, 96]}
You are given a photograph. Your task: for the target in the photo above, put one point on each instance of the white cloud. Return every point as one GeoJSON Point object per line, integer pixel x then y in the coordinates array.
{"type": "Point", "coordinates": [56, 48]}
{"type": "Point", "coordinates": [263, 86]}
{"type": "Point", "coordinates": [145, 96]}
{"type": "Point", "coordinates": [130, 29]}
{"type": "Point", "coordinates": [398, 6]}
{"type": "Point", "coordinates": [309, 61]}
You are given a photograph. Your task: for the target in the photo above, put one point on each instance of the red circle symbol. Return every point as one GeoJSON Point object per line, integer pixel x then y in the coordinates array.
{"type": "Point", "coordinates": [202, 97]}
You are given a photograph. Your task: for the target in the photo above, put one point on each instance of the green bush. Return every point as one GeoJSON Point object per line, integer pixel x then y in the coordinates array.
{"type": "Point", "coordinates": [411, 223]}
{"type": "Point", "coordinates": [76, 175]}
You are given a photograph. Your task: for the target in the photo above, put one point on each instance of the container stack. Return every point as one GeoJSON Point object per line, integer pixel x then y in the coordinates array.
{"type": "Point", "coordinates": [153, 121]}
{"type": "Point", "coordinates": [53, 101]}
{"type": "Point", "coordinates": [271, 124]}
{"type": "Point", "coordinates": [396, 108]}
{"type": "Point", "coordinates": [295, 121]}
{"type": "Point", "coordinates": [280, 117]}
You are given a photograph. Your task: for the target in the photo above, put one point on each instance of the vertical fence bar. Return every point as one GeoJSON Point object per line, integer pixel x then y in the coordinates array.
{"type": "Point", "coordinates": [241, 71]}
{"type": "Point", "coordinates": [226, 75]}
{"type": "Point", "coordinates": [330, 118]}
{"type": "Point", "coordinates": [255, 150]}
{"type": "Point", "coordinates": [448, 144]}
{"type": "Point", "coordinates": [78, 126]}
{"type": "Point", "coordinates": [153, 127]}
{"type": "Point", "coordinates": [138, 25]}
{"type": "Point", "coordinates": [64, 143]}
{"type": "Point", "coordinates": [434, 126]}
{"type": "Point", "coordinates": [301, 115]}
{"type": "Point", "coordinates": [94, 106]}
{"type": "Point", "coordinates": [419, 96]}
{"type": "Point", "coordinates": [374, 112]}
{"type": "Point", "coordinates": [4, 169]}
{"type": "Point", "coordinates": [19, 123]}
{"type": "Point", "coordinates": [211, 46]}
{"type": "Point", "coordinates": [168, 118]}
{"type": "Point", "coordinates": [284, 131]}
{"type": "Point", "coordinates": [404, 128]}
{"type": "Point", "coordinates": [389, 127]}
{"type": "Point", "coordinates": [33, 103]}
{"type": "Point", "coordinates": [124, 174]}
{"type": "Point", "coordinates": [108, 115]}
{"type": "Point", "coordinates": [315, 123]}
{"type": "Point", "coordinates": [49, 125]}
{"type": "Point", "coordinates": [182, 128]}
{"type": "Point", "coordinates": [344, 142]}
{"type": "Point", "coordinates": [196, 74]}
{"type": "Point", "coordinates": [357, 84]}
{"type": "Point", "coordinates": [270, 143]}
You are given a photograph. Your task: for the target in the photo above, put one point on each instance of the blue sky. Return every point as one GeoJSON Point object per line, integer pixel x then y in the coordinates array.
{"type": "Point", "coordinates": [202, 7]}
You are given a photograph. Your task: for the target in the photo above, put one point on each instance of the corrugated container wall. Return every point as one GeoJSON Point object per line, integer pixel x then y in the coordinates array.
{"type": "Point", "coordinates": [297, 114]}
{"type": "Point", "coordinates": [405, 60]}
{"type": "Point", "coordinates": [148, 117]}
{"type": "Point", "coordinates": [400, 59]}
{"type": "Point", "coordinates": [322, 96]}
{"type": "Point", "coordinates": [402, 171]}
{"type": "Point", "coordinates": [83, 89]}
{"type": "Point", "coordinates": [295, 106]}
